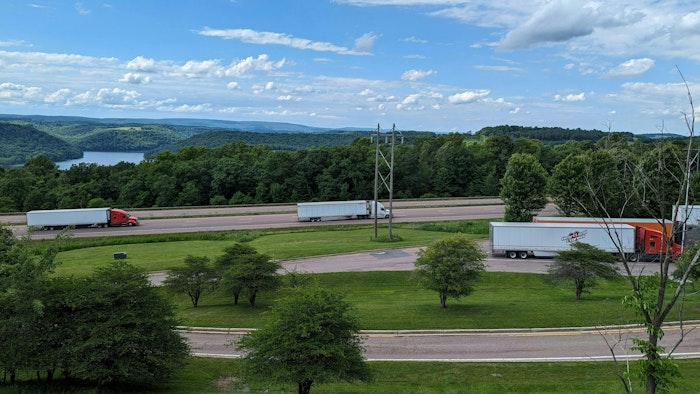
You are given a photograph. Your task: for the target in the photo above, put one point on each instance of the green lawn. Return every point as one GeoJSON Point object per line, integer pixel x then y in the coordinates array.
{"type": "Point", "coordinates": [158, 256]}
{"type": "Point", "coordinates": [391, 301]}
{"type": "Point", "coordinates": [209, 376]}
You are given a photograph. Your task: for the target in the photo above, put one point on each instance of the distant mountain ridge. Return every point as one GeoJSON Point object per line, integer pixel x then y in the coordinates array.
{"type": "Point", "coordinates": [253, 126]}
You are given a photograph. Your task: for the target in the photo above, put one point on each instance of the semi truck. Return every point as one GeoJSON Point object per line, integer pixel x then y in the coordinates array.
{"type": "Point", "coordinates": [525, 239]}
{"type": "Point", "coordinates": [340, 210]}
{"type": "Point", "coordinates": [84, 217]}
{"type": "Point", "coordinates": [652, 235]}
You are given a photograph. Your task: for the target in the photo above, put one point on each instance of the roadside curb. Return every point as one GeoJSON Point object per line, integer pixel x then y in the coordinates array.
{"type": "Point", "coordinates": [691, 324]}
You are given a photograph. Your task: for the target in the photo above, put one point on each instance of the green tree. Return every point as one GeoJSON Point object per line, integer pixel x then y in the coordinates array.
{"type": "Point", "coordinates": [232, 256]}
{"type": "Point", "coordinates": [450, 266]}
{"type": "Point", "coordinates": [524, 187]}
{"type": "Point", "coordinates": [24, 273]}
{"type": "Point", "coordinates": [124, 330]}
{"type": "Point", "coordinates": [253, 273]}
{"type": "Point", "coordinates": [192, 279]}
{"type": "Point", "coordinates": [312, 337]}
{"type": "Point", "coordinates": [581, 266]}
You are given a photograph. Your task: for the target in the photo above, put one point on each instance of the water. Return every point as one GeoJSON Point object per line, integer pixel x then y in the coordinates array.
{"type": "Point", "coordinates": [103, 158]}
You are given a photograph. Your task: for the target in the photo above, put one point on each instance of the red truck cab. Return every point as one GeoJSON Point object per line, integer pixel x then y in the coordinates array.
{"type": "Point", "coordinates": [120, 217]}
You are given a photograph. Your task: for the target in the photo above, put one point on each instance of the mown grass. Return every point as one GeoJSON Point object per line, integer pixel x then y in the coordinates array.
{"type": "Point", "coordinates": [391, 301]}
{"type": "Point", "coordinates": [162, 252]}
{"type": "Point", "coordinates": [210, 376]}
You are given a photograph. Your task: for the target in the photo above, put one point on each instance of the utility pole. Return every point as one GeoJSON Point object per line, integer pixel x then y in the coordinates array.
{"type": "Point", "coordinates": [384, 170]}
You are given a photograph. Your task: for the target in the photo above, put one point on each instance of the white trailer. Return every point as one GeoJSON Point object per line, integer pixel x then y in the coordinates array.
{"type": "Point", "coordinates": [526, 239]}
{"type": "Point", "coordinates": [690, 214]}
{"type": "Point", "coordinates": [339, 210]}
{"type": "Point", "coordinates": [83, 217]}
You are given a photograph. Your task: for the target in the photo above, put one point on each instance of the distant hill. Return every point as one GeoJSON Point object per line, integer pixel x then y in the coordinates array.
{"type": "Point", "coordinates": [254, 126]}
{"type": "Point", "coordinates": [280, 141]}
{"type": "Point", "coordinates": [19, 143]}
{"type": "Point", "coordinates": [548, 135]}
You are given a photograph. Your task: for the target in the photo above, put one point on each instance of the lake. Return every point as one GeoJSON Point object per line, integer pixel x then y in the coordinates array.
{"type": "Point", "coordinates": [103, 158]}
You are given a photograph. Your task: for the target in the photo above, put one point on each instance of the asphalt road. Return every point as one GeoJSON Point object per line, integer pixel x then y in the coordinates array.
{"type": "Point", "coordinates": [519, 345]}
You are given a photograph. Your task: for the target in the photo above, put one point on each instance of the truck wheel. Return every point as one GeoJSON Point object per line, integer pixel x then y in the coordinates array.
{"type": "Point", "coordinates": [512, 254]}
{"type": "Point", "coordinates": [633, 257]}
{"type": "Point", "coordinates": [522, 255]}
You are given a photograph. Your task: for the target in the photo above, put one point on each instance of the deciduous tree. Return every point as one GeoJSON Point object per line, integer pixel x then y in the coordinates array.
{"type": "Point", "coordinates": [524, 187]}
{"type": "Point", "coordinates": [312, 337]}
{"type": "Point", "coordinates": [450, 266]}
{"type": "Point", "coordinates": [581, 266]}
{"type": "Point", "coordinates": [192, 279]}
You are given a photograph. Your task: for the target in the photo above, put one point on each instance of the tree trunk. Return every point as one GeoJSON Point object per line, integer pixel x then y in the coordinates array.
{"type": "Point", "coordinates": [251, 298]}
{"type": "Point", "coordinates": [443, 301]}
{"type": "Point", "coordinates": [652, 355]}
{"type": "Point", "coordinates": [305, 386]}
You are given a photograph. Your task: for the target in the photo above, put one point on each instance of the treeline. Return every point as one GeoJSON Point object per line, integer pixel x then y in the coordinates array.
{"type": "Point", "coordinates": [548, 135]}
{"type": "Point", "coordinates": [278, 141]}
{"type": "Point", "coordinates": [19, 143]}
{"type": "Point", "coordinates": [451, 165]}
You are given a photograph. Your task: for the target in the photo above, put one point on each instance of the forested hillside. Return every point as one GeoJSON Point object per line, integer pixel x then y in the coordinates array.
{"type": "Point", "coordinates": [277, 141]}
{"type": "Point", "coordinates": [19, 143]}
{"type": "Point", "coordinates": [126, 138]}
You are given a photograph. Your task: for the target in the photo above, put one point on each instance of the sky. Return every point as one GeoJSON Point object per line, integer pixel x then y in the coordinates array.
{"type": "Point", "coordinates": [429, 65]}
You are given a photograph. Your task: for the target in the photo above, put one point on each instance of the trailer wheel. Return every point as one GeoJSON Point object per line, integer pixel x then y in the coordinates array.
{"type": "Point", "coordinates": [512, 254]}
{"type": "Point", "coordinates": [633, 257]}
{"type": "Point", "coordinates": [522, 255]}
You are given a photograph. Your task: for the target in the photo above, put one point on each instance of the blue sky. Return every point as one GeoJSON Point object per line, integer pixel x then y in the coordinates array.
{"type": "Point", "coordinates": [436, 65]}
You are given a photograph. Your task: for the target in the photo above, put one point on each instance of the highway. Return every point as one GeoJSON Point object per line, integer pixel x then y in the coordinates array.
{"type": "Point", "coordinates": [204, 219]}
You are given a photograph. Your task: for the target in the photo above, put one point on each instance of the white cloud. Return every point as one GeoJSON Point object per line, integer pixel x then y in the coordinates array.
{"type": "Point", "coordinates": [497, 68]}
{"type": "Point", "coordinates": [186, 108]}
{"type": "Point", "coordinates": [632, 68]}
{"type": "Point", "coordinates": [232, 85]}
{"type": "Point", "coordinates": [135, 78]}
{"type": "Point", "coordinates": [56, 58]}
{"type": "Point", "coordinates": [415, 40]}
{"type": "Point", "coordinates": [410, 99]}
{"type": "Point", "coordinates": [250, 36]}
{"type": "Point", "coordinates": [557, 21]}
{"type": "Point", "coordinates": [81, 9]}
{"type": "Point", "coordinates": [365, 44]}
{"type": "Point", "coordinates": [261, 63]}
{"type": "Point", "coordinates": [199, 68]}
{"type": "Point", "coordinates": [18, 92]}
{"type": "Point", "coordinates": [60, 96]}
{"type": "Point", "coordinates": [570, 97]}
{"type": "Point", "coordinates": [11, 43]}
{"type": "Point", "coordinates": [468, 96]}
{"type": "Point", "coordinates": [116, 96]}
{"type": "Point", "coordinates": [414, 75]}
{"type": "Point", "coordinates": [142, 64]}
